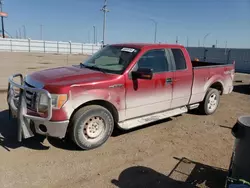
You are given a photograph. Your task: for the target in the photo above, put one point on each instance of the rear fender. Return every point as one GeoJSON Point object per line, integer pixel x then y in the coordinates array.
{"type": "Point", "coordinates": [214, 79]}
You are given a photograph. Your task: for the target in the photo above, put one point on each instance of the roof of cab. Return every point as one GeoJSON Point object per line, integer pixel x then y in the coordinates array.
{"type": "Point", "coordinates": [148, 45]}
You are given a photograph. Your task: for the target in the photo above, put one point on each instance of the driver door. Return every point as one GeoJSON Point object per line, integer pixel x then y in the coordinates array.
{"type": "Point", "coordinates": [144, 97]}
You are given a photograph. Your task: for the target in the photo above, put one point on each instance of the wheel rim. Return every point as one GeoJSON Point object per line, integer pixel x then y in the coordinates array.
{"type": "Point", "coordinates": [93, 127]}
{"type": "Point", "coordinates": [212, 102]}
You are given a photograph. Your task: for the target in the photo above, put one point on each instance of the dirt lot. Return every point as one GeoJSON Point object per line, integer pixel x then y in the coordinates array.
{"type": "Point", "coordinates": [187, 151]}
{"type": "Point", "coordinates": [29, 62]}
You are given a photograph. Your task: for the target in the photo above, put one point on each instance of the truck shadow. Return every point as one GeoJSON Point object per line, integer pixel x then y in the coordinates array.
{"type": "Point", "coordinates": [8, 135]}
{"type": "Point", "coordinates": [65, 144]}
{"type": "Point", "coordinates": [243, 89]}
{"type": "Point", "coordinates": [186, 174]}
{"type": "Point", "coordinates": [68, 144]}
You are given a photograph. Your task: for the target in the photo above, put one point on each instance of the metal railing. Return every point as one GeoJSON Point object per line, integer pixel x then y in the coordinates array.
{"type": "Point", "coordinates": [40, 46]}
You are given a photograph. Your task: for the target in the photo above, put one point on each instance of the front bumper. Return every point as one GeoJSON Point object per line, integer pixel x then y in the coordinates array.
{"type": "Point", "coordinates": [28, 125]}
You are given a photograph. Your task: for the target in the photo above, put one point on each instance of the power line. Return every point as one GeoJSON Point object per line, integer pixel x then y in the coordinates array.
{"type": "Point", "coordinates": [104, 10]}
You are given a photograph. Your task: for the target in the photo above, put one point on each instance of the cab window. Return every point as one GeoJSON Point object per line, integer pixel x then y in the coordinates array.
{"type": "Point", "coordinates": [155, 60]}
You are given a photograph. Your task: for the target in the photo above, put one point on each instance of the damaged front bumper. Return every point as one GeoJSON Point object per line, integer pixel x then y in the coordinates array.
{"type": "Point", "coordinates": [29, 124]}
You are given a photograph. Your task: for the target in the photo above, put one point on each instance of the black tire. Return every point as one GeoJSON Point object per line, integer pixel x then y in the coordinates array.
{"type": "Point", "coordinates": [83, 122]}
{"type": "Point", "coordinates": [204, 106]}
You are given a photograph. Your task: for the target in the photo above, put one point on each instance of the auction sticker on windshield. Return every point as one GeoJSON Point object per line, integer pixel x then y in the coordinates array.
{"type": "Point", "coordinates": [128, 50]}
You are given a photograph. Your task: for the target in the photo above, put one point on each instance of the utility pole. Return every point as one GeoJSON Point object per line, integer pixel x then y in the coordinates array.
{"type": "Point", "coordinates": [199, 43]}
{"type": "Point", "coordinates": [24, 32]}
{"type": "Point", "coordinates": [94, 34]}
{"type": "Point", "coordinates": [216, 43]}
{"type": "Point", "coordinates": [204, 39]}
{"type": "Point", "coordinates": [41, 32]}
{"type": "Point", "coordinates": [17, 34]}
{"type": "Point", "coordinates": [104, 10]}
{"type": "Point", "coordinates": [20, 33]}
{"type": "Point", "coordinates": [1, 8]}
{"type": "Point", "coordinates": [225, 47]}
{"type": "Point", "coordinates": [156, 24]}
{"type": "Point", "coordinates": [176, 40]}
{"type": "Point", "coordinates": [88, 36]}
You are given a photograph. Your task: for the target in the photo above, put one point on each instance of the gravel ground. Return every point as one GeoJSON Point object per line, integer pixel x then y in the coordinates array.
{"type": "Point", "coordinates": [185, 151]}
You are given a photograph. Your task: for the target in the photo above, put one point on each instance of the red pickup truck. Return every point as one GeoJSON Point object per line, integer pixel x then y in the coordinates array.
{"type": "Point", "coordinates": [123, 85]}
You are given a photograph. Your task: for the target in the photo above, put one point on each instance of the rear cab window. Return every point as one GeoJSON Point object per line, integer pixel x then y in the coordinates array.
{"type": "Point", "coordinates": [179, 60]}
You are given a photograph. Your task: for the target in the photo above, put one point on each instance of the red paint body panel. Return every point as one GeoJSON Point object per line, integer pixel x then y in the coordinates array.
{"type": "Point", "coordinates": [83, 85]}
{"type": "Point", "coordinates": [148, 96]}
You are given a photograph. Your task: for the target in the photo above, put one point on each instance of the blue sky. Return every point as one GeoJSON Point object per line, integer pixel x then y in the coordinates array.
{"type": "Point", "coordinates": [129, 20]}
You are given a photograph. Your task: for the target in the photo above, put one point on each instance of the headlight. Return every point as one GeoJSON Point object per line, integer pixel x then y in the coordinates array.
{"type": "Point", "coordinates": [57, 101]}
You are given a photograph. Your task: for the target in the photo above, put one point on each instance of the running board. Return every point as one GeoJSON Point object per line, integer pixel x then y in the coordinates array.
{"type": "Point", "coordinates": [136, 122]}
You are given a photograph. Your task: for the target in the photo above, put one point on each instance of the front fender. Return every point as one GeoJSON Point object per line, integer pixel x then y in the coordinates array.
{"type": "Point", "coordinates": [80, 95]}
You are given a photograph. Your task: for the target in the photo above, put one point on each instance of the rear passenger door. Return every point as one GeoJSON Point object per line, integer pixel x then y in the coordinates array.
{"type": "Point", "coordinates": [183, 79]}
{"type": "Point", "coordinates": [145, 97]}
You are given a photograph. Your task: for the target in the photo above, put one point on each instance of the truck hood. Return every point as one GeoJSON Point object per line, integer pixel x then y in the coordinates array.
{"type": "Point", "coordinates": [66, 76]}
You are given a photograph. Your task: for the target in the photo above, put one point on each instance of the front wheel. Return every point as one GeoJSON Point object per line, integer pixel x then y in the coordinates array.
{"type": "Point", "coordinates": [211, 102]}
{"type": "Point", "coordinates": [91, 126]}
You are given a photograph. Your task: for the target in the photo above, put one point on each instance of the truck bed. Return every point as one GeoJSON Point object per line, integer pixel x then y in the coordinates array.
{"type": "Point", "coordinates": [200, 64]}
{"type": "Point", "coordinates": [206, 73]}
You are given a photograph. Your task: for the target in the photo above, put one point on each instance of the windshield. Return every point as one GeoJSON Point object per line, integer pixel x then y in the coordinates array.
{"type": "Point", "coordinates": [111, 59]}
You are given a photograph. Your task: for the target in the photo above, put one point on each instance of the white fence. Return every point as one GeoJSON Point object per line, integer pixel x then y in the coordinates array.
{"type": "Point", "coordinates": [27, 45]}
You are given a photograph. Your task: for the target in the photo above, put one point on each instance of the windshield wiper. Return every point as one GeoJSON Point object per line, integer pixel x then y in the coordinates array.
{"type": "Point", "coordinates": [92, 67]}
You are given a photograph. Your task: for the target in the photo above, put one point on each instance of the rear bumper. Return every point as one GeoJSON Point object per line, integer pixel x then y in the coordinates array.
{"type": "Point", "coordinates": [29, 125]}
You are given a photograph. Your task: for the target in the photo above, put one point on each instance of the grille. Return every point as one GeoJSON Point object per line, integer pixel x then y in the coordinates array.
{"type": "Point", "coordinates": [30, 98]}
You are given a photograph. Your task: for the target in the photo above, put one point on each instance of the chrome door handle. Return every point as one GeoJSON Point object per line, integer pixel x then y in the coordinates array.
{"type": "Point", "coordinates": [169, 81]}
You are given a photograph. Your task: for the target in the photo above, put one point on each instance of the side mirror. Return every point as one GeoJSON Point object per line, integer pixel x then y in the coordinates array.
{"type": "Point", "coordinates": [143, 73]}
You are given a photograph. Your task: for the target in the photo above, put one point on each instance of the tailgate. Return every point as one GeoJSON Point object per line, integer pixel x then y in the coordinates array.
{"type": "Point", "coordinates": [225, 71]}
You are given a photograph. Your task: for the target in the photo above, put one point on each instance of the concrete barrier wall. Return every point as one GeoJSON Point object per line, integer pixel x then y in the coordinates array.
{"type": "Point", "coordinates": [222, 55]}
{"type": "Point", "coordinates": [27, 45]}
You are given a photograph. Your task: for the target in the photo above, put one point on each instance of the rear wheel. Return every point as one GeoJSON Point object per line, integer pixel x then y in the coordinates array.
{"type": "Point", "coordinates": [210, 102]}
{"type": "Point", "coordinates": [91, 126]}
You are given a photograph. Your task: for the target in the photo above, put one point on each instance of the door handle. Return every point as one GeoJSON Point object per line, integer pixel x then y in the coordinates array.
{"type": "Point", "coordinates": [169, 81]}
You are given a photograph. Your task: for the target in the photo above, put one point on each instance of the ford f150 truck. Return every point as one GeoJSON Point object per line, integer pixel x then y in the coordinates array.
{"type": "Point", "coordinates": [123, 85]}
